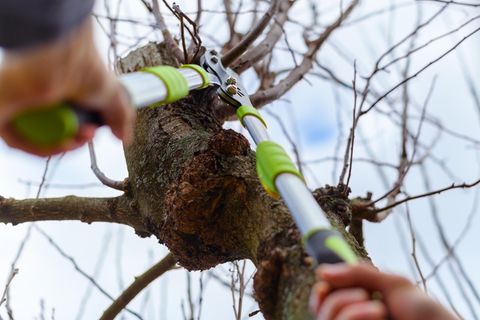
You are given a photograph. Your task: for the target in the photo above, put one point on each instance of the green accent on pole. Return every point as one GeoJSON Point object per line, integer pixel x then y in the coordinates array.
{"type": "Point", "coordinates": [175, 82]}
{"type": "Point", "coordinates": [310, 233]}
{"type": "Point", "coordinates": [243, 111]}
{"type": "Point", "coordinates": [272, 160]}
{"type": "Point", "coordinates": [204, 74]}
{"type": "Point", "coordinates": [47, 127]}
{"type": "Point", "coordinates": [341, 248]}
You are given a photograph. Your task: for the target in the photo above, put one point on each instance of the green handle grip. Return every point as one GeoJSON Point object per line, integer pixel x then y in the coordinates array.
{"type": "Point", "coordinates": [328, 246]}
{"type": "Point", "coordinates": [272, 160]}
{"type": "Point", "coordinates": [51, 126]}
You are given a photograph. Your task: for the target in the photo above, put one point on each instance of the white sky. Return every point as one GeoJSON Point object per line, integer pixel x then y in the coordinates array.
{"type": "Point", "coordinates": [311, 111]}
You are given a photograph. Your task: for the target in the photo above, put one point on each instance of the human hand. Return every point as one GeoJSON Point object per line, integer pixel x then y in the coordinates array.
{"type": "Point", "coordinates": [344, 293]}
{"type": "Point", "coordinates": [67, 70]}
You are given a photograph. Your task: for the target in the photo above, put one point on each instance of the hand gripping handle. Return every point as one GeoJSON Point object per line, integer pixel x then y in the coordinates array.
{"type": "Point", "coordinates": [52, 125]}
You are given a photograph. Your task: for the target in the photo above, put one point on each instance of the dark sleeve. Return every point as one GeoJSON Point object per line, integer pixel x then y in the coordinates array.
{"type": "Point", "coordinates": [25, 23]}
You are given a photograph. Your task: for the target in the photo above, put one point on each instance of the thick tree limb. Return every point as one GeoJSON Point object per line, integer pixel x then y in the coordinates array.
{"type": "Point", "coordinates": [140, 283]}
{"type": "Point", "coordinates": [266, 96]}
{"type": "Point", "coordinates": [249, 38]}
{"type": "Point", "coordinates": [267, 44]}
{"type": "Point", "coordinates": [116, 210]}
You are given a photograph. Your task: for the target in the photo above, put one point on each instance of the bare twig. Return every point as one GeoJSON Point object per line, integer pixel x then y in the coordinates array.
{"type": "Point", "coordinates": [296, 152]}
{"type": "Point", "coordinates": [427, 194]}
{"type": "Point", "coordinates": [458, 3]}
{"type": "Point", "coordinates": [167, 36]}
{"type": "Point", "coordinates": [256, 53]}
{"type": "Point", "coordinates": [414, 248]}
{"type": "Point", "coordinates": [401, 83]}
{"type": "Point", "coordinates": [118, 185]}
{"type": "Point", "coordinates": [98, 267]}
{"type": "Point", "coordinates": [266, 96]}
{"type": "Point", "coordinates": [78, 269]}
{"type": "Point", "coordinates": [12, 275]}
{"type": "Point", "coordinates": [348, 159]}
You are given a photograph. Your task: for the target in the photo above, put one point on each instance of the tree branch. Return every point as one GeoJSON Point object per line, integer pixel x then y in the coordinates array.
{"type": "Point", "coordinates": [116, 210]}
{"type": "Point", "coordinates": [458, 3]}
{"type": "Point", "coordinates": [266, 96]}
{"type": "Point", "coordinates": [118, 185]}
{"type": "Point", "coordinates": [267, 44]}
{"type": "Point", "coordinates": [140, 283]}
{"type": "Point", "coordinates": [249, 38]}
{"type": "Point", "coordinates": [167, 36]}
{"type": "Point", "coordinates": [452, 186]}
{"type": "Point", "coordinates": [12, 275]}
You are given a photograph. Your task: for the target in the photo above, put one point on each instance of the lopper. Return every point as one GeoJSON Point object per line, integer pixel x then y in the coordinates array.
{"type": "Point", "coordinates": [159, 85]}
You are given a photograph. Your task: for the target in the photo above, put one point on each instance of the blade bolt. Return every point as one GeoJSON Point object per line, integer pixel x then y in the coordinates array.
{"type": "Point", "coordinates": [214, 59]}
{"type": "Point", "coordinates": [232, 89]}
{"type": "Point", "coordinates": [213, 52]}
{"type": "Point", "coordinates": [231, 80]}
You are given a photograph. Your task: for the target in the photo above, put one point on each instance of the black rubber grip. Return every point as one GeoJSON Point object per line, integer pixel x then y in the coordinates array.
{"type": "Point", "coordinates": [86, 116]}
{"type": "Point", "coordinates": [315, 245]}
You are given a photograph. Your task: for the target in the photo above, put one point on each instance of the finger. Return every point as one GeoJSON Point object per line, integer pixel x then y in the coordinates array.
{"type": "Point", "coordinates": [362, 275]}
{"type": "Point", "coordinates": [318, 294]}
{"type": "Point", "coordinates": [367, 310]}
{"type": "Point", "coordinates": [338, 300]}
{"type": "Point", "coordinates": [85, 133]}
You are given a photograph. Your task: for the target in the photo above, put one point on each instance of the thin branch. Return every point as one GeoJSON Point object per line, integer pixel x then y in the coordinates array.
{"type": "Point", "coordinates": [98, 268]}
{"type": "Point", "coordinates": [428, 194]}
{"type": "Point", "coordinates": [266, 96]}
{"type": "Point", "coordinates": [458, 3]}
{"type": "Point", "coordinates": [348, 159]}
{"type": "Point", "coordinates": [296, 152]}
{"type": "Point", "coordinates": [167, 36]}
{"type": "Point", "coordinates": [230, 20]}
{"type": "Point", "coordinates": [140, 283]}
{"type": "Point", "coordinates": [256, 53]}
{"type": "Point", "coordinates": [414, 248]}
{"type": "Point", "coordinates": [12, 275]}
{"type": "Point", "coordinates": [77, 267]}
{"type": "Point", "coordinates": [401, 83]}
{"type": "Point", "coordinates": [196, 41]}
{"type": "Point", "coordinates": [118, 185]}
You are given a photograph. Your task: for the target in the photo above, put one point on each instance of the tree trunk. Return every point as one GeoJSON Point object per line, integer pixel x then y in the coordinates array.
{"type": "Point", "coordinates": [195, 187]}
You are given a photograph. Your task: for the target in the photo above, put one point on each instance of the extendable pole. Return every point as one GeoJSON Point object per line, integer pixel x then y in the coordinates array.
{"type": "Point", "coordinates": [280, 178]}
